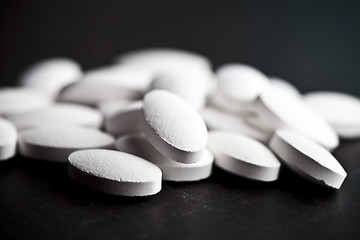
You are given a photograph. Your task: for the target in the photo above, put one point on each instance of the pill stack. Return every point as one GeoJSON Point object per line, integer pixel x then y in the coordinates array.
{"type": "Point", "coordinates": [164, 115]}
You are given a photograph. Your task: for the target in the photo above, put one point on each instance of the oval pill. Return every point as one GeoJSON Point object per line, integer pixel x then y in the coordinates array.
{"type": "Point", "coordinates": [308, 158]}
{"type": "Point", "coordinates": [243, 156]}
{"type": "Point", "coordinates": [56, 142]}
{"type": "Point", "coordinates": [340, 110]}
{"type": "Point", "coordinates": [173, 126]}
{"type": "Point", "coordinates": [114, 172]}
{"type": "Point", "coordinates": [73, 114]}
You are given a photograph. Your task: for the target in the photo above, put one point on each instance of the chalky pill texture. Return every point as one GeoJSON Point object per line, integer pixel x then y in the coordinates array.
{"type": "Point", "coordinates": [243, 156]}
{"type": "Point", "coordinates": [114, 172]}
{"type": "Point", "coordinates": [173, 127]}
{"type": "Point", "coordinates": [308, 158]}
{"type": "Point", "coordinates": [138, 145]}
{"type": "Point", "coordinates": [8, 139]}
{"type": "Point", "coordinates": [56, 142]}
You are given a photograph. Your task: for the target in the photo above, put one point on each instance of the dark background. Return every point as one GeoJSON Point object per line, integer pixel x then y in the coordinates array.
{"type": "Point", "coordinates": [313, 44]}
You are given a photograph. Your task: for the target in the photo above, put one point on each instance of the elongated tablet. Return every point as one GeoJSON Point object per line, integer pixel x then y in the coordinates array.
{"type": "Point", "coordinates": [165, 60]}
{"type": "Point", "coordinates": [51, 75]}
{"type": "Point", "coordinates": [238, 86]}
{"type": "Point", "coordinates": [308, 158]}
{"type": "Point", "coordinates": [126, 82]}
{"type": "Point", "coordinates": [21, 99]}
{"type": "Point", "coordinates": [73, 114]}
{"type": "Point", "coordinates": [8, 139]}
{"type": "Point", "coordinates": [56, 142]}
{"type": "Point", "coordinates": [284, 86]}
{"type": "Point", "coordinates": [138, 145]}
{"type": "Point", "coordinates": [173, 126]}
{"type": "Point", "coordinates": [114, 172]}
{"type": "Point", "coordinates": [125, 120]}
{"type": "Point", "coordinates": [216, 119]}
{"type": "Point", "coordinates": [243, 156]}
{"type": "Point", "coordinates": [191, 86]}
{"type": "Point", "coordinates": [286, 111]}
{"type": "Point", "coordinates": [340, 110]}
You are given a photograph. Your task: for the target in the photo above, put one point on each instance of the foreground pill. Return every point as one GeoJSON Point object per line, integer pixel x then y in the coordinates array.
{"type": "Point", "coordinates": [58, 114]}
{"type": "Point", "coordinates": [56, 142]}
{"type": "Point", "coordinates": [138, 145]}
{"type": "Point", "coordinates": [51, 75]}
{"type": "Point", "coordinates": [308, 158]}
{"type": "Point", "coordinates": [114, 172]}
{"type": "Point", "coordinates": [238, 86]}
{"type": "Point", "coordinates": [125, 120]}
{"type": "Point", "coordinates": [8, 139]}
{"type": "Point", "coordinates": [173, 126]}
{"type": "Point", "coordinates": [20, 99]}
{"type": "Point", "coordinates": [123, 81]}
{"type": "Point", "coordinates": [340, 110]}
{"type": "Point", "coordinates": [216, 119]}
{"type": "Point", "coordinates": [243, 156]}
{"type": "Point", "coordinates": [286, 111]}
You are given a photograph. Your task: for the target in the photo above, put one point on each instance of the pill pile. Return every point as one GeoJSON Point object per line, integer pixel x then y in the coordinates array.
{"type": "Point", "coordinates": [165, 115]}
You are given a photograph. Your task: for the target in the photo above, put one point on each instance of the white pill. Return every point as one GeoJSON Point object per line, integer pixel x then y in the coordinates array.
{"type": "Point", "coordinates": [110, 106]}
{"type": "Point", "coordinates": [308, 158]}
{"type": "Point", "coordinates": [173, 126]}
{"type": "Point", "coordinates": [340, 110]}
{"type": "Point", "coordinates": [163, 60]}
{"type": "Point", "coordinates": [8, 139]}
{"type": "Point", "coordinates": [21, 99]}
{"type": "Point", "coordinates": [125, 81]}
{"type": "Point", "coordinates": [192, 87]}
{"type": "Point", "coordinates": [114, 172]}
{"type": "Point", "coordinates": [284, 86]}
{"type": "Point", "coordinates": [58, 114]}
{"type": "Point", "coordinates": [138, 145]}
{"type": "Point", "coordinates": [286, 111]}
{"type": "Point", "coordinates": [219, 120]}
{"type": "Point", "coordinates": [56, 142]}
{"type": "Point", "coordinates": [243, 156]}
{"type": "Point", "coordinates": [239, 85]}
{"type": "Point", "coordinates": [51, 75]}
{"type": "Point", "coordinates": [126, 120]}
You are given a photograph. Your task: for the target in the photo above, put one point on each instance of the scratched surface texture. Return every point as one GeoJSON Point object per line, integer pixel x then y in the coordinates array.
{"type": "Point", "coordinates": [312, 44]}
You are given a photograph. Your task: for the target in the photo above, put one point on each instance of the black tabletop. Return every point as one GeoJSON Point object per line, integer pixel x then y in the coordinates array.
{"type": "Point", "coordinates": [314, 45]}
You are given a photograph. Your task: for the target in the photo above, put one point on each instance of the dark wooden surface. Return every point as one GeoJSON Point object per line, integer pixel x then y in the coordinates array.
{"type": "Point", "coordinates": [313, 44]}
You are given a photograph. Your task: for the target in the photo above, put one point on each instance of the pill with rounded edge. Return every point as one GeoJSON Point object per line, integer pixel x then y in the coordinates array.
{"type": "Point", "coordinates": [340, 110]}
{"type": "Point", "coordinates": [308, 158]}
{"type": "Point", "coordinates": [110, 106]}
{"type": "Point", "coordinates": [216, 119]}
{"type": "Point", "coordinates": [125, 120]}
{"type": "Point", "coordinates": [138, 145]}
{"type": "Point", "coordinates": [286, 111]}
{"type": "Point", "coordinates": [58, 114]}
{"type": "Point", "coordinates": [51, 75]}
{"type": "Point", "coordinates": [21, 99]}
{"type": "Point", "coordinates": [114, 172]}
{"type": "Point", "coordinates": [173, 126]}
{"type": "Point", "coordinates": [243, 156]}
{"type": "Point", "coordinates": [238, 86]}
{"type": "Point", "coordinates": [8, 139]}
{"type": "Point", "coordinates": [56, 142]}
